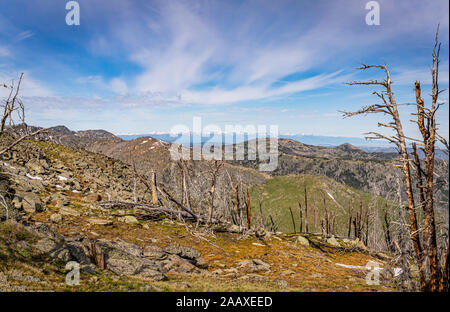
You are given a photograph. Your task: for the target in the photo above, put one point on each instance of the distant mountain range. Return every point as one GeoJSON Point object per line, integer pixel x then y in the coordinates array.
{"type": "Point", "coordinates": [372, 172]}
{"type": "Point", "coordinates": [369, 146]}
{"type": "Point", "coordinates": [329, 141]}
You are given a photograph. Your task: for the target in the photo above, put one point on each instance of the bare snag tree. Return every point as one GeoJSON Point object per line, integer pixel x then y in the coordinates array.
{"type": "Point", "coordinates": [13, 105]}
{"type": "Point", "coordinates": [426, 251]}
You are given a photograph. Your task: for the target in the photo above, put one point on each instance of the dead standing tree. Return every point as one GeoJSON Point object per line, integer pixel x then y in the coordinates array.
{"type": "Point", "coordinates": [306, 210]}
{"type": "Point", "coordinates": [214, 170]}
{"type": "Point", "coordinates": [426, 121]}
{"type": "Point", "coordinates": [13, 104]}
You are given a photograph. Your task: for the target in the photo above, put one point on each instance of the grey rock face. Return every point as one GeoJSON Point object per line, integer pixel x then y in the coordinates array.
{"type": "Point", "coordinates": [126, 259]}
{"type": "Point", "coordinates": [29, 202]}
{"type": "Point", "coordinates": [154, 253]}
{"type": "Point", "coordinates": [254, 265]}
{"type": "Point", "coordinates": [51, 243]}
{"type": "Point", "coordinates": [177, 264]}
{"type": "Point", "coordinates": [182, 251]}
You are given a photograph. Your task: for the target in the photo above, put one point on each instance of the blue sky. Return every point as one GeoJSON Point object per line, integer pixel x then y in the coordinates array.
{"type": "Point", "coordinates": [143, 66]}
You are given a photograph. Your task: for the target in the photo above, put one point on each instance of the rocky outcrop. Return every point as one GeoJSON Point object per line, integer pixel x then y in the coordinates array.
{"type": "Point", "coordinates": [119, 257]}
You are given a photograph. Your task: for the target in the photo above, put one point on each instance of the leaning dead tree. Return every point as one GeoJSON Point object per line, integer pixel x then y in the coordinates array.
{"type": "Point", "coordinates": [13, 107]}
{"type": "Point", "coordinates": [426, 249]}
{"type": "Point", "coordinates": [213, 170]}
{"type": "Point", "coordinates": [12, 104]}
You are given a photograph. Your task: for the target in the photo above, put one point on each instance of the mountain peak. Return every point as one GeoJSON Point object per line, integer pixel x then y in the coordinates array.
{"type": "Point", "coordinates": [349, 147]}
{"type": "Point", "coordinates": [96, 134]}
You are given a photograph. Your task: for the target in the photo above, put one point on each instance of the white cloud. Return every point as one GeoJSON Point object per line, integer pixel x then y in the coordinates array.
{"type": "Point", "coordinates": [119, 86]}
{"type": "Point", "coordinates": [407, 76]}
{"type": "Point", "coordinates": [23, 35]}
{"type": "Point", "coordinates": [4, 52]}
{"type": "Point", "coordinates": [262, 91]}
{"type": "Point", "coordinates": [29, 87]}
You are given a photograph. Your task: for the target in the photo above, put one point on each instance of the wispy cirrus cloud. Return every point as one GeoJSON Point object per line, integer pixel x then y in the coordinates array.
{"type": "Point", "coordinates": [202, 56]}
{"type": "Point", "coordinates": [23, 35]}
{"type": "Point", "coordinates": [4, 51]}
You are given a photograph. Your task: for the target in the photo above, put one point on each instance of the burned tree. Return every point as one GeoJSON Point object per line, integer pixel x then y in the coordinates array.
{"type": "Point", "coordinates": [12, 106]}
{"type": "Point", "coordinates": [426, 251]}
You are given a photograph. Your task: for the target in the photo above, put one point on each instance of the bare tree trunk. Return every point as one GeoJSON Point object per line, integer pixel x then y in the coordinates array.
{"type": "Point", "coordinates": [248, 209]}
{"type": "Point", "coordinates": [237, 204]}
{"type": "Point", "coordinates": [367, 227]}
{"type": "Point", "coordinates": [315, 217]}
{"type": "Point", "coordinates": [443, 285]}
{"type": "Point", "coordinates": [154, 188]}
{"type": "Point", "coordinates": [349, 222]}
{"type": "Point", "coordinates": [327, 218]}
{"type": "Point", "coordinates": [292, 218]}
{"type": "Point", "coordinates": [389, 107]}
{"type": "Point", "coordinates": [387, 230]}
{"type": "Point", "coordinates": [333, 223]}
{"type": "Point", "coordinates": [429, 138]}
{"type": "Point", "coordinates": [272, 223]}
{"type": "Point", "coordinates": [301, 216]}
{"type": "Point", "coordinates": [306, 210]}
{"type": "Point", "coordinates": [10, 103]}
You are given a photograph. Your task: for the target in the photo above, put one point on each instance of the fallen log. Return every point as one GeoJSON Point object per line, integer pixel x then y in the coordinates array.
{"type": "Point", "coordinates": [147, 210]}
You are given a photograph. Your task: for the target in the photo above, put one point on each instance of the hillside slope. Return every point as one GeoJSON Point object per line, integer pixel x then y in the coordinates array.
{"type": "Point", "coordinates": [55, 194]}
{"type": "Point", "coordinates": [281, 193]}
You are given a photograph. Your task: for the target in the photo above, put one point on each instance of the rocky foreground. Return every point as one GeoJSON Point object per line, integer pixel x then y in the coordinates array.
{"type": "Point", "coordinates": [54, 193]}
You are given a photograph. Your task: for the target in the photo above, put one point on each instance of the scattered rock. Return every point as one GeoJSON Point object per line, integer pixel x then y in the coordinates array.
{"type": "Point", "coordinates": [232, 270]}
{"type": "Point", "coordinates": [202, 263]}
{"type": "Point", "coordinates": [154, 253]}
{"type": "Point", "coordinates": [24, 245]}
{"type": "Point", "coordinates": [217, 272]}
{"type": "Point", "coordinates": [30, 202]}
{"type": "Point", "coordinates": [333, 242]}
{"type": "Point", "coordinates": [282, 283]}
{"type": "Point", "coordinates": [254, 278]}
{"type": "Point", "coordinates": [96, 221]}
{"type": "Point", "coordinates": [94, 197]}
{"type": "Point", "coordinates": [177, 264]}
{"type": "Point", "coordinates": [18, 276]}
{"type": "Point", "coordinates": [183, 285]}
{"type": "Point", "coordinates": [89, 268]}
{"type": "Point", "coordinates": [36, 166]}
{"type": "Point", "coordinates": [69, 211]}
{"type": "Point", "coordinates": [287, 272]}
{"type": "Point", "coordinates": [234, 229]}
{"type": "Point", "coordinates": [258, 244]}
{"type": "Point", "coordinates": [4, 284]}
{"type": "Point", "coordinates": [302, 241]}
{"type": "Point", "coordinates": [358, 243]}
{"type": "Point", "coordinates": [56, 218]}
{"type": "Point", "coordinates": [254, 265]}
{"type": "Point", "coordinates": [129, 220]}
{"type": "Point", "coordinates": [182, 251]}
